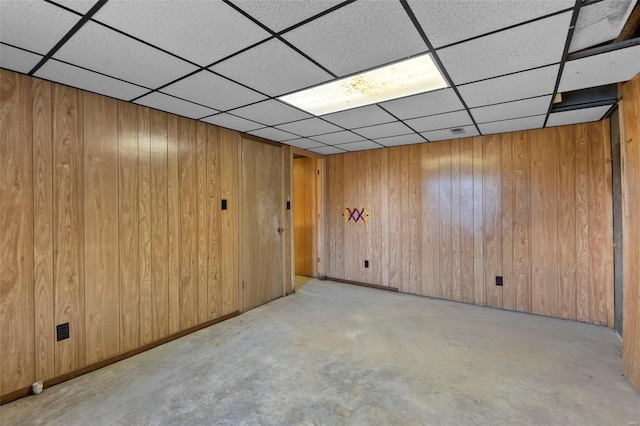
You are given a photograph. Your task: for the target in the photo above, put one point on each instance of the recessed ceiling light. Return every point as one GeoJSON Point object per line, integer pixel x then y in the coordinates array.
{"type": "Point", "coordinates": [415, 75]}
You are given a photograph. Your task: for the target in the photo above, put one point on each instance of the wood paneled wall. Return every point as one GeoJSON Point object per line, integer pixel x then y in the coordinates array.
{"type": "Point", "coordinates": [630, 150]}
{"type": "Point", "coordinates": [446, 218]}
{"type": "Point", "coordinates": [110, 220]}
{"type": "Point", "coordinates": [304, 197]}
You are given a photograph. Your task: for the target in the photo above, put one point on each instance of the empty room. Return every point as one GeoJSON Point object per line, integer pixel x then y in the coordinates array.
{"type": "Point", "coordinates": [319, 212]}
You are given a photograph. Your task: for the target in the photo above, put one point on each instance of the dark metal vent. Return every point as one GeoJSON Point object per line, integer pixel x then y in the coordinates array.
{"type": "Point", "coordinates": [457, 131]}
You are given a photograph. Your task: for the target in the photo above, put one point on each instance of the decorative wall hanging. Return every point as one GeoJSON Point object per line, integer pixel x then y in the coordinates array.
{"type": "Point", "coordinates": [355, 215]}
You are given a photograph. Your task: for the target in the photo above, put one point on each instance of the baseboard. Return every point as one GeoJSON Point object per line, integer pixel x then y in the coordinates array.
{"type": "Point", "coordinates": [379, 287]}
{"type": "Point", "coordinates": [20, 393]}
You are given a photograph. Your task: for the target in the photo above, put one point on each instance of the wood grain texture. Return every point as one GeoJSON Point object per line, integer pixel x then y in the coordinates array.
{"type": "Point", "coordinates": [128, 226]}
{"type": "Point", "coordinates": [229, 220]}
{"type": "Point", "coordinates": [631, 223]}
{"type": "Point", "coordinates": [214, 282]}
{"type": "Point", "coordinates": [303, 174]}
{"type": "Point", "coordinates": [203, 222]}
{"type": "Point", "coordinates": [478, 224]}
{"type": "Point", "coordinates": [159, 224]}
{"type": "Point", "coordinates": [68, 226]}
{"type": "Point", "coordinates": [456, 229]}
{"type": "Point", "coordinates": [508, 221]}
{"type": "Point", "coordinates": [608, 224]}
{"type": "Point", "coordinates": [16, 236]}
{"type": "Point", "coordinates": [414, 226]}
{"type": "Point", "coordinates": [544, 253]}
{"type": "Point", "coordinates": [466, 220]}
{"type": "Point", "coordinates": [145, 249]}
{"type": "Point", "coordinates": [262, 241]}
{"type": "Point", "coordinates": [445, 191]}
{"type": "Point", "coordinates": [43, 229]}
{"type": "Point", "coordinates": [102, 289]}
{"type": "Point", "coordinates": [173, 224]}
{"type": "Point", "coordinates": [430, 220]}
{"type": "Point", "coordinates": [522, 221]}
{"type": "Point", "coordinates": [492, 218]}
{"type": "Point", "coordinates": [288, 235]}
{"type": "Point", "coordinates": [188, 176]}
{"type": "Point", "coordinates": [597, 243]}
{"type": "Point", "coordinates": [582, 223]}
{"type": "Point", "coordinates": [566, 223]}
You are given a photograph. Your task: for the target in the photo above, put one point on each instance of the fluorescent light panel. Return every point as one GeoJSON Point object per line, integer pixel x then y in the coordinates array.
{"type": "Point", "coordinates": [410, 77]}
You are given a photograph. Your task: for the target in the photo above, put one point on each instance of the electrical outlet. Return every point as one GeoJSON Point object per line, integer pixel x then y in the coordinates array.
{"type": "Point", "coordinates": [366, 263]}
{"type": "Point", "coordinates": [499, 281]}
{"type": "Point", "coordinates": [62, 331]}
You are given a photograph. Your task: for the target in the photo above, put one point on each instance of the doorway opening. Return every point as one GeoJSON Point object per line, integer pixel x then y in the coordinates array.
{"type": "Point", "coordinates": [306, 218]}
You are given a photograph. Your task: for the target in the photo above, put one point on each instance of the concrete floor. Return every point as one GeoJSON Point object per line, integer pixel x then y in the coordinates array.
{"type": "Point", "coordinates": [340, 354]}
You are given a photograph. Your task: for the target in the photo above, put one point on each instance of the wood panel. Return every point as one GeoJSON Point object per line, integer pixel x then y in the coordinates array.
{"type": "Point", "coordinates": [303, 176]}
{"type": "Point", "coordinates": [214, 282]}
{"type": "Point", "coordinates": [566, 223]}
{"type": "Point", "coordinates": [287, 160]}
{"type": "Point", "coordinates": [456, 229]}
{"type": "Point", "coordinates": [630, 147]}
{"type": "Point", "coordinates": [173, 224]}
{"type": "Point", "coordinates": [144, 226]}
{"type": "Point", "coordinates": [466, 221]}
{"type": "Point", "coordinates": [188, 177]}
{"type": "Point", "coordinates": [508, 221]}
{"type": "Point", "coordinates": [445, 192]}
{"type": "Point", "coordinates": [43, 229]}
{"type": "Point", "coordinates": [522, 221]}
{"type": "Point", "coordinates": [478, 224]}
{"type": "Point", "coordinates": [128, 226]}
{"type": "Point", "coordinates": [130, 245]}
{"type": "Point", "coordinates": [68, 227]}
{"type": "Point", "coordinates": [16, 238]}
{"type": "Point", "coordinates": [492, 218]}
{"type": "Point", "coordinates": [582, 223]}
{"type": "Point", "coordinates": [159, 225]}
{"type": "Point", "coordinates": [102, 290]}
{"type": "Point", "coordinates": [544, 253]}
{"type": "Point", "coordinates": [430, 223]}
{"type": "Point", "coordinates": [229, 232]}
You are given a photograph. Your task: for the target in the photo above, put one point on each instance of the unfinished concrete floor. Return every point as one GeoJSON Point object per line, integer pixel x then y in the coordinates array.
{"type": "Point", "coordinates": [340, 354]}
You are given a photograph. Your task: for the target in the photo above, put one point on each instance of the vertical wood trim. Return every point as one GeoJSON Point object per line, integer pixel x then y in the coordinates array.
{"type": "Point", "coordinates": [43, 230]}
{"type": "Point", "coordinates": [128, 226]}
{"type": "Point", "coordinates": [102, 289]}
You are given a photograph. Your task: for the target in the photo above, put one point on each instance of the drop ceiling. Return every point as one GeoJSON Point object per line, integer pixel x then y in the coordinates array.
{"type": "Point", "coordinates": [226, 62]}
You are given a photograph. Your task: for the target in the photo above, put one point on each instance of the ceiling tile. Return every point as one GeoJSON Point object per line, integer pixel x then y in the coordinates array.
{"type": "Point", "coordinates": [305, 143]}
{"type": "Point", "coordinates": [577, 116]}
{"type": "Point", "coordinates": [521, 48]}
{"type": "Point", "coordinates": [514, 125]}
{"type": "Point", "coordinates": [598, 70]}
{"type": "Point", "coordinates": [213, 91]}
{"type": "Point", "coordinates": [281, 69]}
{"type": "Point", "coordinates": [87, 80]}
{"type": "Point", "coordinates": [508, 110]}
{"type": "Point", "coordinates": [328, 150]}
{"type": "Point", "coordinates": [17, 60]}
{"type": "Point", "coordinates": [359, 36]}
{"type": "Point", "coordinates": [360, 146]}
{"type": "Point", "coordinates": [174, 105]}
{"type": "Point", "coordinates": [309, 127]}
{"type": "Point", "coordinates": [273, 134]}
{"type": "Point", "coordinates": [281, 14]}
{"type": "Point", "coordinates": [401, 140]}
{"type": "Point", "coordinates": [440, 121]}
{"type": "Point", "coordinates": [360, 117]}
{"type": "Point", "coordinates": [34, 26]}
{"type": "Point", "coordinates": [199, 31]}
{"type": "Point", "coordinates": [338, 137]}
{"type": "Point", "coordinates": [526, 84]}
{"type": "Point", "coordinates": [270, 113]}
{"type": "Point", "coordinates": [232, 122]}
{"type": "Point", "coordinates": [447, 22]}
{"type": "Point", "coordinates": [98, 48]}
{"type": "Point", "coordinates": [424, 104]}
{"type": "Point", "coordinates": [441, 135]}
{"type": "Point", "coordinates": [384, 130]}
{"type": "Point", "coordinates": [80, 6]}
{"type": "Point", "coordinates": [600, 22]}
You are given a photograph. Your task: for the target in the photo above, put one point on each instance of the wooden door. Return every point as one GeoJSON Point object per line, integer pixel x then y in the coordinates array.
{"type": "Point", "coordinates": [262, 223]}
{"type": "Point", "coordinates": [304, 193]}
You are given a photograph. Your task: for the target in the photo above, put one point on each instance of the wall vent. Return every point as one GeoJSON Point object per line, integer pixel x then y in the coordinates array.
{"type": "Point", "coordinates": [457, 131]}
